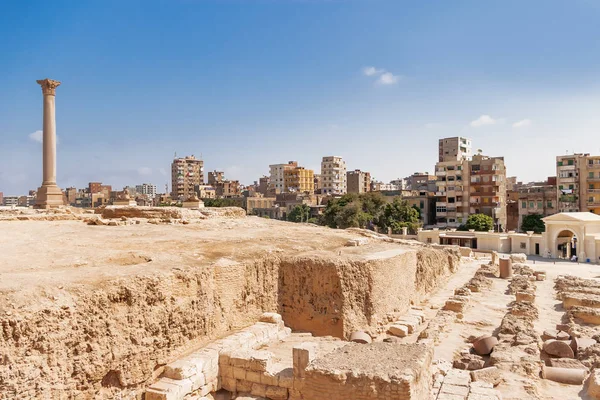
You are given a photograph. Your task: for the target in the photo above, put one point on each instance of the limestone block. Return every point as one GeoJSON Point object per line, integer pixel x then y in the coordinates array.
{"type": "Point", "coordinates": [284, 333]}
{"type": "Point", "coordinates": [163, 390]}
{"type": "Point", "coordinates": [243, 386]}
{"type": "Point", "coordinates": [593, 384]}
{"type": "Point", "coordinates": [259, 360]}
{"type": "Point", "coordinates": [229, 384]}
{"type": "Point", "coordinates": [566, 363]}
{"type": "Point", "coordinates": [253, 376]}
{"type": "Point", "coordinates": [398, 330]}
{"type": "Point", "coordinates": [302, 355]}
{"type": "Point", "coordinates": [357, 242]}
{"type": "Point", "coordinates": [455, 389]}
{"type": "Point", "coordinates": [469, 362]}
{"type": "Point", "coordinates": [457, 377]}
{"type": "Point", "coordinates": [525, 297]}
{"type": "Point", "coordinates": [269, 379]}
{"type": "Point", "coordinates": [258, 390]}
{"type": "Point", "coordinates": [180, 369]}
{"type": "Point", "coordinates": [417, 313]}
{"type": "Point", "coordinates": [457, 304]}
{"type": "Point", "coordinates": [558, 348]}
{"type": "Point", "coordinates": [518, 258]}
{"type": "Point", "coordinates": [240, 359]}
{"type": "Point", "coordinates": [448, 396]}
{"type": "Point", "coordinates": [239, 373]}
{"type": "Point", "coordinates": [481, 384]}
{"type": "Point", "coordinates": [490, 374]}
{"type": "Point", "coordinates": [276, 393]}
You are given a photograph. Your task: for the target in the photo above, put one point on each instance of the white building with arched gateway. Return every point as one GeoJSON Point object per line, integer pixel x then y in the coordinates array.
{"type": "Point", "coordinates": [573, 233]}
{"type": "Point", "coordinates": [567, 234]}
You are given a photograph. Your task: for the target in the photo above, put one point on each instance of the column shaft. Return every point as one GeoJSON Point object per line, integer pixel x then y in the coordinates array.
{"type": "Point", "coordinates": [49, 142]}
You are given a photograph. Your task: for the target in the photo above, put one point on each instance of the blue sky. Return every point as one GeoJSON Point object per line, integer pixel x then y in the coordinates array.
{"type": "Point", "coordinates": [250, 83]}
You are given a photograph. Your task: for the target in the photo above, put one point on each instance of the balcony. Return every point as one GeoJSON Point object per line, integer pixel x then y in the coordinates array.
{"type": "Point", "coordinates": [441, 214]}
{"type": "Point", "coordinates": [440, 204]}
{"type": "Point", "coordinates": [594, 166]}
{"type": "Point", "coordinates": [440, 194]}
{"type": "Point", "coordinates": [566, 167]}
{"type": "Point", "coordinates": [440, 173]}
{"type": "Point", "coordinates": [593, 190]}
{"type": "Point", "coordinates": [593, 203]}
{"type": "Point", "coordinates": [594, 179]}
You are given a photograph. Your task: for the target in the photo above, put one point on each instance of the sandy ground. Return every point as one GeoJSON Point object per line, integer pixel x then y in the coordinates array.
{"type": "Point", "coordinates": [38, 254]}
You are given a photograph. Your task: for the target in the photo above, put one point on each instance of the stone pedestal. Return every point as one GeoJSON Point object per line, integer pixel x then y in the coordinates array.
{"type": "Point", "coordinates": [193, 203]}
{"type": "Point", "coordinates": [49, 194]}
{"type": "Point", "coordinates": [125, 202]}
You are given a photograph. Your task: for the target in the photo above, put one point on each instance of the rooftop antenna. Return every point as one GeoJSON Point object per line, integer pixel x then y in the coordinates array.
{"type": "Point", "coordinates": [175, 155]}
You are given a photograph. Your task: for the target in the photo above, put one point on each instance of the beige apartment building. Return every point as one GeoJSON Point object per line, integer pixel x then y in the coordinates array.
{"type": "Point", "coordinates": [333, 175]}
{"type": "Point", "coordinates": [186, 173]}
{"type": "Point", "coordinates": [590, 187]}
{"type": "Point", "coordinates": [488, 188]}
{"type": "Point", "coordinates": [277, 178]}
{"type": "Point", "coordinates": [537, 199]}
{"type": "Point", "coordinates": [299, 180]}
{"type": "Point", "coordinates": [454, 148]}
{"type": "Point", "coordinates": [215, 177]}
{"type": "Point", "coordinates": [453, 186]}
{"type": "Point", "coordinates": [358, 181]}
{"type": "Point", "coordinates": [568, 195]}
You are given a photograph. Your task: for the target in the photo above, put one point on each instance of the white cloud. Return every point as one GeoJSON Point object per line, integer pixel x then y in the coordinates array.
{"type": "Point", "coordinates": [144, 171]}
{"type": "Point", "coordinates": [387, 78]}
{"type": "Point", "coordinates": [370, 71]}
{"type": "Point", "coordinates": [37, 136]}
{"type": "Point", "coordinates": [483, 120]}
{"type": "Point", "coordinates": [522, 124]}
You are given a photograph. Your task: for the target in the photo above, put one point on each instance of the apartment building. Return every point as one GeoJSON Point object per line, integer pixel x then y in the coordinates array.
{"type": "Point", "coordinates": [277, 178]}
{"type": "Point", "coordinates": [263, 185]}
{"type": "Point", "coordinates": [228, 189]}
{"type": "Point", "coordinates": [71, 195]}
{"type": "Point", "coordinates": [333, 175]}
{"type": "Point", "coordinates": [452, 192]}
{"type": "Point", "coordinates": [488, 188]}
{"type": "Point", "coordinates": [590, 186]}
{"type": "Point", "coordinates": [215, 177]}
{"type": "Point", "coordinates": [536, 199]}
{"type": "Point", "coordinates": [186, 173]}
{"type": "Point", "coordinates": [146, 189]}
{"type": "Point", "coordinates": [299, 180]}
{"type": "Point", "coordinates": [358, 181]}
{"type": "Point", "coordinates": [252, 203]}
{"type": "Point", "coordinates": [420, 181]}
{"type": "Point", "coordinates": [318, 183]}
{"type": "Point", "coordinates": [11, 201]}
{"type": "Point", "coordinates": [454, 148]}
{"type": "Point", "coordinates": [568, 182]}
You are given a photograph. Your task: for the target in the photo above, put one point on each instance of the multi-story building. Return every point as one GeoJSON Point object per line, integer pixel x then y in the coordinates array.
{"type": "Point", "coordinates": [71, 195]}
{"type": "Point", "coordinates": [258, 202]}
{"type": "Point", "coordinates": [454, 148]}
{"type": "Point", "coordinates": [228, 189]}
{"type": "Point", "coordinates": [358, 181]}
{"type": "Point", "coordinates": [377, 186]}
{"type": "Point", "coordinates": [590, 187]}
{"type": "Point", "coordinates": [186, 173]}
{"type": "Point", "coordinates": [419, 181]}
{"type": "Point", "coordinates": [263, 185]}
{"type": "Point", "coordinates": [333, 175]}
{"type": "Point", "coordinates": [146, 189]}
{"type": "Point", "coordinates": [453, 186]}
{"type": "Point", "coordinates": [536, 199]}
{"type": "Point", "coordinates": [215, 177]}
{"type": "Point", "coordinates": [277, 178]}
{"type": "Point", "coordinates": [206, 191]}
{"type": "Point", "coordinates": [467, 187]}
{"type": "Point", "coordinates": [299, 180]}
{"type": "Point", "coordinates": [568, 182]}
{"type": "Point", "coordinates": [94, 187]}
{"type": "Point", "coordinates": [488, 188]}
{"type": "Point", "coordinates": [11, 201]}
{"type": "Point", "coordinates": [318, 183]}
{"type": "Point", "coordinates": [1, 198]}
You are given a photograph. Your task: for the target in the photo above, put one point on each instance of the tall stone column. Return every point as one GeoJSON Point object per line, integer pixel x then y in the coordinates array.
{"type": "Point", "coordinates": [49, 194]}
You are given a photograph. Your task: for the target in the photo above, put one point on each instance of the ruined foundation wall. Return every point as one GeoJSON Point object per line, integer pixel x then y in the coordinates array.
{"type": "Point", "coordinates": [95, 341]}
{"type": "Point", "coordinates": [328, 295]}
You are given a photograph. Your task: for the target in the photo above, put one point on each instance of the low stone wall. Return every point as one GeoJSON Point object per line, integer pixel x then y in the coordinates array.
{"type": "Point", "coordinates": [385, 371]}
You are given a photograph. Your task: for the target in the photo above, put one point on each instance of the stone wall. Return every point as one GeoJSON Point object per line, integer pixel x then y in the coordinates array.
{"type": "Point", "coordinates": [329, 295]}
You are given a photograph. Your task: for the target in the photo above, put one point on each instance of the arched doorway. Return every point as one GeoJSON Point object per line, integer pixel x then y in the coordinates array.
{"type": "Point", "coordinates": [566, 244]}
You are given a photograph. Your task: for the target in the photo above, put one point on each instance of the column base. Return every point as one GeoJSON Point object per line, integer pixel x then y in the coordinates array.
{"type": "Point", "coordinates": [49, 196]}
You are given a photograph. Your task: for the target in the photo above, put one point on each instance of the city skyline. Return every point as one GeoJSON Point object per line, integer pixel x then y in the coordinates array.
{"type": "Point", "coordinates": [214, 81]}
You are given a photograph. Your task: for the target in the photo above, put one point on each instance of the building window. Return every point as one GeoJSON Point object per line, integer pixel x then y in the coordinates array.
{"type": "Point", "coordinates": [531, 204]}
{"type": "Point", "coordinates": [540, 204]}
{"type": "Point", "coordinates": [429, 240]}
{"type": "Point", "coordinates": [549, 205]}
{"type": "Point", "coordinates": [571, 187]}
{"type": "Point", "coordinates": [523, 204]}
{"type": "Point", "coordinates": [559, 164]}
{"type": "Point", "coordinates": [591, 175]}
{"type": "Point", "coordinates": [523, 245]}
{"type": "Point", "coordinates": [560, 187]}
{"type": "Point", "coordinates": [570, 162]}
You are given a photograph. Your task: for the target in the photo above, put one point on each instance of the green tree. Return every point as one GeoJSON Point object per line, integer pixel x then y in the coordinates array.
{"type": "Point", "coordinates": [480, 222]}
{"type": "Point", "coordinates": [533, 222]}
{"type": "Point", "coordinates": [352, 216]}
{"type": "Point", "coordinates": [300, 213]}
{"type": "Point", "coordinates": [399, 214]}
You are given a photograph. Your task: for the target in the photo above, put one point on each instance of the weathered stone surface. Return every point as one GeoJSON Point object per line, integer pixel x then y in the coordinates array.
{"type": "Point", "coordinates": [469, 362]}
{"type": "Point", "coordinates": [525, 297]}
{"type": "Point", "coordinates": [549, 334]}
{"type": "Point", "coordinates": [490, 374]}
{"type": "Point", "coordinates": [398, 330]}
{"type": "Point", "coordinates": [558, 348]}
{"type": "Point", "coordinates": [562, 336]}
{"type": "Point", "coordinates": [593, 385]}
{"type": "Point", "coordinates": [566, 363]}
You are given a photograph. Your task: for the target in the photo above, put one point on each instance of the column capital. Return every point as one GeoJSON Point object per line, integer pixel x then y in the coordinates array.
{"type": "Point", "coordinates": [48, 86]}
